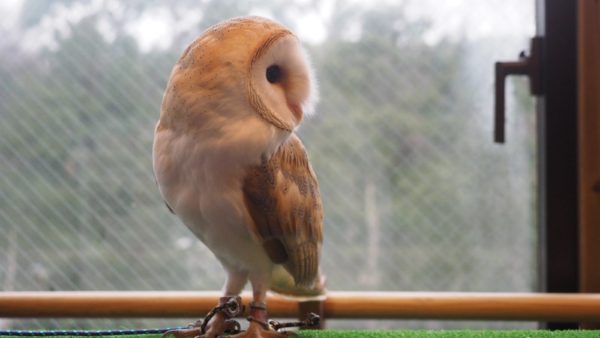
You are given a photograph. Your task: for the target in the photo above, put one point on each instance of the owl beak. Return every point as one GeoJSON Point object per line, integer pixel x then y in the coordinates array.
{"type": "Point", "coordinates": [297, 112]}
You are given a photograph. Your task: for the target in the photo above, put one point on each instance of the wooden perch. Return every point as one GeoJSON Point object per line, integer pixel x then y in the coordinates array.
{"type": "Point", "coordinates": [383, 305]}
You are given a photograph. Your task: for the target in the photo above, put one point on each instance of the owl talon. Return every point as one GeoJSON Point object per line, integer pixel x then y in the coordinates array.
{"type": "Point", "coordinates": [228, 307]}
{"type": "Point", "coordinates": [259, 325]}
{"type": "Point", "coordinates": [232, 327]}
{"type": "Point", "coordinates": [264, 325]}
{"type": "Point", "coordinates": [257, 330]}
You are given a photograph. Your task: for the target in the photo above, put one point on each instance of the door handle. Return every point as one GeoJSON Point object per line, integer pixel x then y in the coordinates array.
{"type": "Point", "coordinates": [526, 65]}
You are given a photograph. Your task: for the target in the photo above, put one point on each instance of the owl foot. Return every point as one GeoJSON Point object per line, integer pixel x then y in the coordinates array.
{"type": "Point", "coordinates": [260, 328]}
{"type": "Point", "coordinates": [216, 323]}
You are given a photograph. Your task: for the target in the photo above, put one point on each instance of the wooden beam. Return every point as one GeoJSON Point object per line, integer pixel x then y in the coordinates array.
{"type": "Point", "coordinates": [122, 304]}
{"type": "Point", "coordinates": [589, 142]}
{"type": "Point", "coordinates": [588, 38]}
{"type": "Point", "coordinates": [368, 305]}
{"type": "Point", "coordinates": [464, 305]}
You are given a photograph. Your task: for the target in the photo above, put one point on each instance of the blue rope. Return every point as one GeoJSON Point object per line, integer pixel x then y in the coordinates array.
{"type": "Point", "coordinates": [46, 333]}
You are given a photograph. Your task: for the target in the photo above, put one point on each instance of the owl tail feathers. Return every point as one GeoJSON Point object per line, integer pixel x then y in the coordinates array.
{"type": "Point", "coordinates": [283, 283]}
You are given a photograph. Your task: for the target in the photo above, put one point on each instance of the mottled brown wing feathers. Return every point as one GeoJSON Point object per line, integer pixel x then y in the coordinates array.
{"type": "Point", "coordinates": [282, 195]}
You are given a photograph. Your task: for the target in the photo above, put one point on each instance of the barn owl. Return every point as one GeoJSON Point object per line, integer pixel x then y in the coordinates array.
{"type": "Point", "coordinates": [229, 165]}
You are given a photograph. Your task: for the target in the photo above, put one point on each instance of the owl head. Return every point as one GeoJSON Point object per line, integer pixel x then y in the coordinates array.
{"type": "Point", "coordinates": [240, 68]}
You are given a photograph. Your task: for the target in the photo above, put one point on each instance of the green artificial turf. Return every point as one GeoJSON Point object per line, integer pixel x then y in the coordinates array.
{"type": "Point", "coordinates": [450, 334]}
{"type": "Point", "coordinates": [402, 334]}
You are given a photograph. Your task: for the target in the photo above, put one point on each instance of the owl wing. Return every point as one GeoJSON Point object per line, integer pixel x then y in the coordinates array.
{"type": "Point", "coordinates": [282, 196]}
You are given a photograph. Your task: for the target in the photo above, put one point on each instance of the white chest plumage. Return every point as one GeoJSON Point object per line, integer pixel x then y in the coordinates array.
{"type": "Point", "coordinates": [201, 179]}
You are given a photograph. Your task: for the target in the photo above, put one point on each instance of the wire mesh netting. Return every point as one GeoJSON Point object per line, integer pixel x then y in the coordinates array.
{"type": "Point", "coordinates": [416, 195]}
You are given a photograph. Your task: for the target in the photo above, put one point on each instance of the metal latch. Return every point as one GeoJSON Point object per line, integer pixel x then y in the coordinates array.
{"type": "Point", "coordinates": [526, 65]}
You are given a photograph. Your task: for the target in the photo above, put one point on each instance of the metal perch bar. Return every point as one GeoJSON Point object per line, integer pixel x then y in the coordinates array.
{"type": "Point", "coordinates": [383, 305]}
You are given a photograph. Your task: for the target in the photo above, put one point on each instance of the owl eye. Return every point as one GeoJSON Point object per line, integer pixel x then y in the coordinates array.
{"type": "Point", "coordinates": [273, 74]}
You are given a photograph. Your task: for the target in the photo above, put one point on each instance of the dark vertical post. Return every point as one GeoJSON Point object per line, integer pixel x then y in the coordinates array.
{"type": "Point", "coordinates": [558, 154]}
